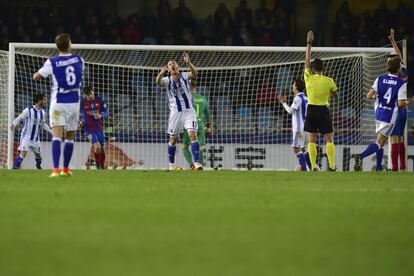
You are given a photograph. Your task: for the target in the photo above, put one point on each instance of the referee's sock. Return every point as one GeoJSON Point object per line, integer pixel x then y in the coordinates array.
{"type": "Point", "coordinates": [330, 152]}
{"type": "Point", "coordinates": [312, 154]}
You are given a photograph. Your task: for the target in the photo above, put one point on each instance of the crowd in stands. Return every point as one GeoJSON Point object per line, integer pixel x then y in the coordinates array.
{"type": "Point", "coordinates": [243, 26]}
{"type": "Point", "coordinates": [165, 24]}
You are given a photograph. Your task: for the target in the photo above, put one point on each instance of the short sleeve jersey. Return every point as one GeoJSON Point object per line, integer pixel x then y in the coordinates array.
{"type": "Point", "coordinates": [318, 88]}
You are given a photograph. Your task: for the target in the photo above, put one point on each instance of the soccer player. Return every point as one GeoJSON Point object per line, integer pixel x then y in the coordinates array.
{"type": "Point", "coordinates": [182, 114]}
{"type": "Point", "coordinates": [319, 89]}
{"type": "Point", "coordinates": [93, 109]}
{"type": "Point", "coordinates": [397, 135]}
{"type": "Point", "coordinates": [391, 93]}
{"type": "Point", "coordinates": [66, 70]}
{"type": "Point", "coordinates": [34, 117]}
{"type": "Point", "coordinates": [298, 112]}
{"type": "Point", "coordinates": [204, 125]}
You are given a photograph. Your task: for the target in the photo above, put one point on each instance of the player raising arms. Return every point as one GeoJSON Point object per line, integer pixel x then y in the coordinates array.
{"type": "Point", "coordinates": [391, 93]}
{"type": "Point", "coordinates": [182, 114]}
{"type": "Point", "coordinates": [319, 89]}
{"type": "Point", "coordinates": [298, 112]}
{"type": "Point", "coordinates": [204, 125]}
{"type": "Point", "coordinates": [66, 70]}
{"type": "Point", "coordinates": [34, 117]}
{"type": "Point", "coordinates": [93, 109]}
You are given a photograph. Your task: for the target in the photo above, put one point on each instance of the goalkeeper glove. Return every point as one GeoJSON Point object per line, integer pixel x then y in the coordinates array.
{"type": "Point", "coordinates": [208, 131]}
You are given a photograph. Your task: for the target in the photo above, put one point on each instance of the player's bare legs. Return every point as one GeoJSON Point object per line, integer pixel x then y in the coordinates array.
{"type": "Point", "coordinates": [195, 149]}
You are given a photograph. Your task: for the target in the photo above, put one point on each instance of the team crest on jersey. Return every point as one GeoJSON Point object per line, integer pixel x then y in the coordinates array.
{"type": "Point", "coordinates": [177, 91]}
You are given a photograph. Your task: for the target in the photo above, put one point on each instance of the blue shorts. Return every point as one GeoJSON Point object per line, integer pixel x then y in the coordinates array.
{"type": "Point", "coordinates": [95, 136]}
{"type": "Point", "coordinates": [400, 123]}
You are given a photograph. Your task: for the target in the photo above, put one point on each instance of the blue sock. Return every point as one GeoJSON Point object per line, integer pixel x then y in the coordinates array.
{"type": "Point", "coordinates": [302, 160]}
{"type": "Point", "coordinates": [18, 162]}
{"type": "Point", "coordinates": [56, 152]}
{"type": "Point", "coordinates": [171, 153]}
{"type": "Point", "coordinates": [38, 163]}
{"type": "Point", "coordinates": [195, 150]}
{"type": "Point", "coordinates": [372, 148]}
{"type": "Point", "coordinates": [380, 154]}
{"type": "Point", "coordinates": [67, 153]}
{"type": "Point", "coordinates": [308, 162]}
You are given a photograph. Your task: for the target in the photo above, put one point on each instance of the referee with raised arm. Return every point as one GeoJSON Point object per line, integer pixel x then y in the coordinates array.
{"type": "Point", "coordinates": [319, 89]}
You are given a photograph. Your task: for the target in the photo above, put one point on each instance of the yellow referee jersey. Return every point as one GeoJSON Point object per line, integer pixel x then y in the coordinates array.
{"type": "Point", "coordinates": [318, 88]}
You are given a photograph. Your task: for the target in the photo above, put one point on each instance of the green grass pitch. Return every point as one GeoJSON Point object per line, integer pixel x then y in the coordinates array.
{"type": "Point", "coordinates": [206, 223]}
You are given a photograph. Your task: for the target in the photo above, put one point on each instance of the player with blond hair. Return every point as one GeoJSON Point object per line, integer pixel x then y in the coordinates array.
{"type": "Point", "coordinates": [66, 71]}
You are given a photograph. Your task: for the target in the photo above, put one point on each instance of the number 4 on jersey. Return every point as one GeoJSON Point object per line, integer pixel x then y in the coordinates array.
{"type": "Point", "coordinates": [388, 94]}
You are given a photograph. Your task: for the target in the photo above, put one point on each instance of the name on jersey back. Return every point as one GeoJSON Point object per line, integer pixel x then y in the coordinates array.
{"type": "Point", "coordinates": [70, 61]}
{"type": "Point", "coordinates": [392, 82]}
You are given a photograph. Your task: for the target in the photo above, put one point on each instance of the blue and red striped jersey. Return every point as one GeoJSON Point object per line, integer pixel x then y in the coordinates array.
{"type": "Point", "coordinates": [88, 110]}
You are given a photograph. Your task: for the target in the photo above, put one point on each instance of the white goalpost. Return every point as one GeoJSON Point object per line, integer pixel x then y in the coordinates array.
{"type": "Point", "coordinates": [251, 130]}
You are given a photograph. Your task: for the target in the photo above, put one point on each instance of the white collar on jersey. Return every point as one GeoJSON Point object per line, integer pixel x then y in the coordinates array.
{"type": "Point", "coordinates": [392, 75]}
{"type": "Point", "coordinates": [65, 55]}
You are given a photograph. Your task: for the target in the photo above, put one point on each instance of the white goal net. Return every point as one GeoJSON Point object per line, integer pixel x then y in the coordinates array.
{"type": "Point", "coordinates": [251, 130]}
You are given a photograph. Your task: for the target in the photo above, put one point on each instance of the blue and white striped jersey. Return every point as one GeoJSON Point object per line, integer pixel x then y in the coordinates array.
{"type": "Point", "coordinates": [389, 89]}
{"type": "Point", "coordinates": [33, 119]}
{"type": "Point", "coordinates": [67, 74]}
{"type": "Point", "coordinates": [179, 93]}
{"type": "Point", "coordinates": [299, 106]}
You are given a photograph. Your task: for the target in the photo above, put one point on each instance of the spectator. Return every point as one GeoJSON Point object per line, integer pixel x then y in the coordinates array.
{"type": "Point", "coordinates": [183, 17]}
{"type": "Point", "coordinates": [243, 13]}
{"type": "Point", "coordinates": [131, 33]}
{"type": "Point", "coordinates": [321, 19]}
{"type": "Point", "coordinates": [263, 16]}
{"type": "Point", "coordinates": [222, 19]}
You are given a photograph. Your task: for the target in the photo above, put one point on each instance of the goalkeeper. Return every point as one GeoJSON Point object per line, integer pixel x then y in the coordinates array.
{"type": "Point", "coordinates": [204, 125]}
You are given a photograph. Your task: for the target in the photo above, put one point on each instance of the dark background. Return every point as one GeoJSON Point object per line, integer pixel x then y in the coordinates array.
{"type": "Point", "coordinates": [232, 22]}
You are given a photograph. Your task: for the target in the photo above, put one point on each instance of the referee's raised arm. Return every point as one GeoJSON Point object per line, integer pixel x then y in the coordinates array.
{"type": "Point", "coordinates": [309, 41]}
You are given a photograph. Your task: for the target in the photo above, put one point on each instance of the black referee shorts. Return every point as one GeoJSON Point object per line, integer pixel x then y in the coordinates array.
{"type": "Point", "coordinates": [318, 119]}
